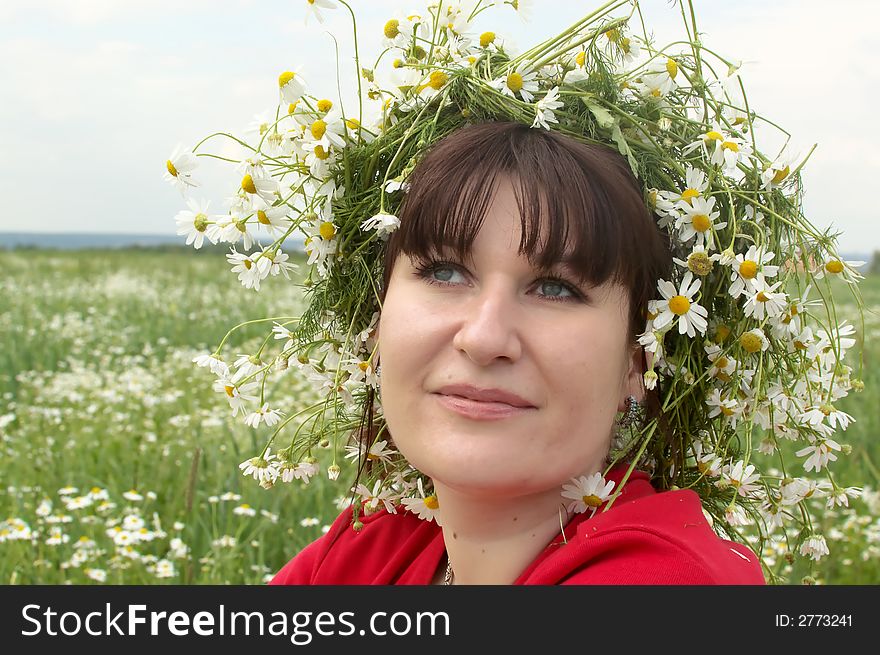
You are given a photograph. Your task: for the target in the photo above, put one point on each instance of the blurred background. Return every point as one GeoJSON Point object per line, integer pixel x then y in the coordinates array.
{"type": "Point", "coordinates": [106, 425]}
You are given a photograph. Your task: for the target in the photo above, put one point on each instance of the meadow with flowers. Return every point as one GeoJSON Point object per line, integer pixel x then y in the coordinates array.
{"type": "Point", "coordinates": [121, 466]}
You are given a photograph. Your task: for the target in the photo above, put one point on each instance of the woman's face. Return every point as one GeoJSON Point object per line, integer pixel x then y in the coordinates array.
{"type": "Point", "coordinates": [494, 322]}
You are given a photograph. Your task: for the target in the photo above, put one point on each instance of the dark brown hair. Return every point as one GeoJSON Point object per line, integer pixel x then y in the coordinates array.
{"type": "Point", "coordinates": [585, 196]}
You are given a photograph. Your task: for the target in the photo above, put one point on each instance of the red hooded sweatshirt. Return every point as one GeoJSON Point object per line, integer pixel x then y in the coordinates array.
{"type": "Point", "coordinates": [645, 538]}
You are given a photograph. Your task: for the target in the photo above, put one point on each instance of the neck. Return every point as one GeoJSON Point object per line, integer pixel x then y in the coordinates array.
{"type": "Point", "coordinates": [493, 540]}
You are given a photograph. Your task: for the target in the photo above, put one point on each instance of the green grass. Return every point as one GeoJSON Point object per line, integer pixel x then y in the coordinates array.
{"type": "Point", "coordinates": [98, 391]}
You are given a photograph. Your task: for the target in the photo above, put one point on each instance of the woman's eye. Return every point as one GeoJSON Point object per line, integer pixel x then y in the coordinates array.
{"type": "Point", "coordinates": [553, 287]}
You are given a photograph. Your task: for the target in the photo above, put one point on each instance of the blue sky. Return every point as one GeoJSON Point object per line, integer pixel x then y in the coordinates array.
{"type": "Point", "coordinates": [96, 94]}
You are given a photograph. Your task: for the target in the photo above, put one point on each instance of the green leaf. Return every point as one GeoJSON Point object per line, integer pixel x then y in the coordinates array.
{"type": "Point", "coordinates": [603, 116]}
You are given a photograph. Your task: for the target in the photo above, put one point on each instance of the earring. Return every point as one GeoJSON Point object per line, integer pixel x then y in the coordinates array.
{"type": "Point", "coordinates": [633, 414]}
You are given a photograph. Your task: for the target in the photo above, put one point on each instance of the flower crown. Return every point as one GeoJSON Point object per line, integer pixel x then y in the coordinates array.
{"type": "Point", "coordinates": [745, 352]}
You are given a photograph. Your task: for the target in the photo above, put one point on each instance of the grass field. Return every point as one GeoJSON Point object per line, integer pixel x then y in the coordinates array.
{"type": "Point", "coordinates": [107, 427]}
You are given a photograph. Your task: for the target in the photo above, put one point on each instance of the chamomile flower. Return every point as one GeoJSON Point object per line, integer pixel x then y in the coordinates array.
{"type": "Point", "coordinates": [819, 453]}
{"type": "Point", "coordinates": [840, 496]}
{"type": "Point", "coordinates": [214, 362]}
{"type": "Point", "coordinates": [426, 507]}
{"type": "Point", "coordinates": [814, 547]}
{"type": "Point", "coordinates": [720, 405]}
{"type": "Point", "coordinates": [377, 452]}
{"type": "Point", "coordinates": [179, 167]}
{"type": "Point", "coordinates": [265, 415]}
{"type": "Point", "coordinates": [518, 82]}
{"type": "Point", "coordinates": [587, 492]}
{"type": "Point", "coordinates": [746, 267]}
{"type": "Point", "coordinates": [698, 218]}
{"type": "Point", "coordinates": [763, 299]}
{"type": "Point", "coordinates": [694, 187]}
{"type": "Point", "coordinates": [251, 269]}
{"type": "Point", "coordinates": [372, 498]}
{"type": "Point", "coordinates": [545, 107]}
{"type": "Point", "coordinates": [680, 306]}
{"type": "Point", "coordinates": [264, 187]}
{"type": "Point", "coordinates": [313, 7]}
{"type": "Point", "coordinates": [244, 510]}
{"type": "Point", "coordinates": [291, 86]}
{"type": "Point", "coordinates": [274, 219]}
{"type": "Point", "coordinates": [836, 267]}
{"type": "Point", "coordinates": [384, 224]}
{"type": "Point", "coordinates": [778, 171]}
{"type": "Point", "coordinates": [196, 224]}
{"type": "Point", "coordinates": [237, 394]}
{"type": "Point", "coordinates": [261, 468]}
{"type": "Point", "coordinates": [327, 131]}
{"type": "Point", "coordinates": [742, 477]}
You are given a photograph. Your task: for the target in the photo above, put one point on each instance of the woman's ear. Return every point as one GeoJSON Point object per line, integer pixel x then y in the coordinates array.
{"type": "Point", "coordinates": [634, 381]}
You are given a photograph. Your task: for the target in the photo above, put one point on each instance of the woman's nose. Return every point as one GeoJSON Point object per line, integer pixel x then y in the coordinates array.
{"type": "Point", "coordinates": [488, 327]}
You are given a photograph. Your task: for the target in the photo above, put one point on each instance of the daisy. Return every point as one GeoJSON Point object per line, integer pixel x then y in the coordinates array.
{"type": "Point", "coordinates": [587, 492]}
{"type": "Point", "coordinates": [694, 187]}
{"type": "Point", "coordinates": [291, 86]}
{"type": "Point", "coordinates": [763, 300]}
{"type": "Point", "coordinates": [179, 168]}
{"type": "Point", "coordinates": [384, 224]}
{"type": "Point", "coordinates": [328, 131]}
{"type": "Point", "coordinates": [274, 219]}
{"type": "Point", "coordinates": [132, 495]}
{"type": "Point", "coordinates": [376, 452]}
{"type": "Point", "coordinates": [836, 267]}
{"type": "Point", "coordinates": [515, 82]}
{"type": "Point", "coordinates": [264, 187]}
{"type": "Point", "coordinates": [820, 453]}
{"type": "Point", "coordinates": [214, 362]}
{"type": "Point", "coordinates": [742, 478]}
{"type": "Point", "coordinates": [371, 499]}
{"type": "Point", "coordinates": [237, 394]}
{"type": "Point", "coordinates": [681, 306]}
{"type": "Point", "coordinates": [722, 365]}
{"type": "Point", "coordinates": [196, 224]}
{"type": "Point", "coordinates": [799, 489]}
{"type": "Point", "coordinates": [746, 267]}
{"type": "Point", "coordinates": [698, 219]}
{"type": "Point", "coordinates": [261, 468]}
{"type": "Point", "coordinates": [778, 171]}
{"type": "Point", "coordinates": [840, 496]}
{"type": "Point", "coordinates": [251, 269]}
{"type": "Point", "coordinates": [736, 515]}
{"type": "Point", "coordinates": [268, 416]}
{"type": "Point", "coordinates": [720, 405]}
{"type": "Point", "coordinates": [314, 5]}
{"type": "Point", "coordinates": [425, 507]}
{"type": "Point", "coordinates": [814, 547]}
{"type": "Point", "coordinates": [545, 107]}
{"type": "Point", "coordinates": [278, 262]}
{"type": "Point", "coordinates": [754, 341]}
{"type": "Point", "coordinates": [244, 510]}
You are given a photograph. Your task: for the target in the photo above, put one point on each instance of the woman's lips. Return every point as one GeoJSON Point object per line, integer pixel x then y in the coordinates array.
{"type": "Point", "coordinates": [480, 410]}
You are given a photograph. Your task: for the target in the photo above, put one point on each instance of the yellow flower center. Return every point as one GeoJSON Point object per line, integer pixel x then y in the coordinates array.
{"type": "Point", "coordinates": [701, 222]}
{"type": "Point", "coordinates": [285, 77]}
{"type": "Point", "coordinates": [581, 57]}
{"type": "Point", "coordinates": [486, 38]}
{"type": "Point", "coordinates": [171, 168]}
{"type": "Point", "coordinates": [727, 411]}
{"type": "Point", "coordinates": [730, 145]}
{"type": "Point", "coordinates": [318, 129]}
{"type": "Point", "coordinates": [320, 153]}
{"type": "Point", "coordinates": [834, 266]}
{"type": "Point", "coordinates": [327, 230]}
{"type": "Point", "coordinates": [750, 342]}
{"type": "Point", "coordinates": [363, 366]}
{"type": "Point", "coordinates": [397, 63]}
{"type": "Point", "coordinates": [625, 45]}
{"type": "Point", "coordinates": [247, 265]}
{"type": "Point", "coordinates": [781, 175]}
{"type": "Point", "coordinates": [672, 68]}
{"type": "Point", "coordinates": [325, 105]}
{"type": "Point", "coordinates": [721, 333]}
{"type": "Point", "coordinates": [748, 269]}
{"type": "Point", "coordinates": [713, 135]}
{"type": "Point", "coordinates": [679, 305]}
{"type": "Point", "coordinates": [699, 263]}
{"type": "Point", "coordinates": [689, 194]}
{"type": "Point", "coordinates": [514, 82]}
{"type": "Point", "coordinates": [826, 409]}
{"type": "Point", "coordinates": [656, 93]}
{"type": "Point", "coordinates": [721, 362]}
{"type": "Point", "coordinates": [229, 390]}
{"type": "Point", "coordinates": [247, 183]}
{"type": "Point", "coordinates": [392, 28]}
{"type": "Point", "coordinates": [201, 224]}
{"type": "Point", "coordinates": [613, 35]}
{"type": "Point", "coordinates": [352, 123]}
{"type": "Point", "coordinates": [437, 79]}
{"type": "Point", "coordinates": [292, 107]}
{"type": "Point", "coordinates": [762, 297]}
{"type": "Point", "coordinates": [261, 216]}
{"type": "Point", "coordinates": [431, 502]}
{"type": "Point", "coordinates": [592, 500]}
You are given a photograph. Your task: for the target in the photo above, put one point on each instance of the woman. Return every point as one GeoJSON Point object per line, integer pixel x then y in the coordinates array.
{"type": "Point", "coordinates": [513, 293]}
